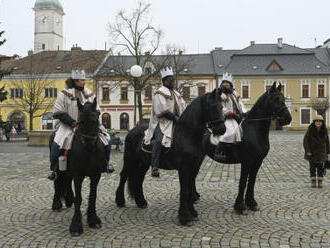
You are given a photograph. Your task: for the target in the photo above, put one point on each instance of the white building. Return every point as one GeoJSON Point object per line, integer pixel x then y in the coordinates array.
{"type": "Point", "coordinates": [48, 23]}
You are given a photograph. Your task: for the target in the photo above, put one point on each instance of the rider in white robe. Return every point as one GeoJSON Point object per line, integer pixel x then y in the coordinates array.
{"type": "Point", "coordinates": [66, 111]}
{"type": "Point", "coordinates": [167, 106]}
{"type": "Point", "coordinates": [233, 109]}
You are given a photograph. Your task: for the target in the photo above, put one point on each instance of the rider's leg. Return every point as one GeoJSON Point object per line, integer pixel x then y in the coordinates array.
{"type": "Point", "coordinates": [108, 167]}
{"type": "Point", "coordinates": [156, 150]}
{"type": "Point", "coordinates": [54, 154]}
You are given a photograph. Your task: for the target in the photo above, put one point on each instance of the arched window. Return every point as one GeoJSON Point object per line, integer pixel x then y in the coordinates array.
{"type": "Point", "coordinates": [106, 120]}
{"type": "Point", "coordinates": [17, 118]}
{"type": "Point", "coordinates": [124, 121]}
{"type": "Point", "coordinates": [47, 121]}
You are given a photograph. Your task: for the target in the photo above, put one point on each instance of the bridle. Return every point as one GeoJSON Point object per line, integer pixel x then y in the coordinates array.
{"type": "Point", "coordinates": [211, 124]}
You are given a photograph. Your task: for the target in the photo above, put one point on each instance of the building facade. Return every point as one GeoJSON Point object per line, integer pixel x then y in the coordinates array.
{"type": "Point", "coordinates": [44, 73]}
{"type": "Point", "coordinates": [303, 73]}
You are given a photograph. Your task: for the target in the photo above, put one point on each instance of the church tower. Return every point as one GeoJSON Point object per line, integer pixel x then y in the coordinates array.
{"type": "Point", "coordinates": [48, 25]}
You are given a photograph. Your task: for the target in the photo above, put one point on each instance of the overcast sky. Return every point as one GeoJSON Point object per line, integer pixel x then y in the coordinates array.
{"type": "Point", "coordinates": [197, 25]}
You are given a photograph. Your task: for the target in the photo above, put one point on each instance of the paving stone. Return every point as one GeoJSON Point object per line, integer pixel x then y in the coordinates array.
{"type": "Point", "coordinates": [292, 213]}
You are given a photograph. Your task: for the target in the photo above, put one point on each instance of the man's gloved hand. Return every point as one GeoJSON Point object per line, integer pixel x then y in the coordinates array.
{"type": "Point", "coordinates": [237, 118]}
{"type": "Point", "coordinates": [74, 124]}
{"type": "Point", "coordinates": [229, 115]}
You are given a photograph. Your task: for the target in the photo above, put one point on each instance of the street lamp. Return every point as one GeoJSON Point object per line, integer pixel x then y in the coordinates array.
{"type": "Point", "coordinates": [136, 72]}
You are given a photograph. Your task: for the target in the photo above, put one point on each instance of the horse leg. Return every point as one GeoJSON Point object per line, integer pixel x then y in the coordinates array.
{"type": "Point", "coordinates": [195, 195]}
{"type": "Point", "coordinates": [139, 196]}
{"type": "Point", "coordinates": [93, 220]}
{"type": "Point", "coordinates": [68, 197]}
{"type": "Point", "coordinates": [58, 191]}
{"type": "Point", "coordinates": [76, 228]}
{"type": "Point", "coordinates": [120, 192]}
{"type": "Point", "coordinates": [185, 215]}
{"type": "Point", "coordinates": [249, 197]}
{"type": "Point", "coordinates": [240, 206]}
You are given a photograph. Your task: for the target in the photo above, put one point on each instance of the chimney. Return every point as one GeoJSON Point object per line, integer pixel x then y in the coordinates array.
{"type": "Point", "coordinates": [30, 52]}
{"type": "Point", "coordinates": [218, 48]}
{"type": "Point", "coordinates": [252, 42]}
{"type": "Point", "coordinates": [180, 52]}
{"type": "Point", "coordinates": [147, 53]}
{"type": "Point", "coordinates": [280, 42]}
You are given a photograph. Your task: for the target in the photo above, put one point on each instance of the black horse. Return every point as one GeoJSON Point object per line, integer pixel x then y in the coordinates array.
{"type": "Point", "coordinates": [185, 155]}
{"type": "Point", "coordinates": [255, 143]}
{"type": "Point", "coordinates": [85, 159]}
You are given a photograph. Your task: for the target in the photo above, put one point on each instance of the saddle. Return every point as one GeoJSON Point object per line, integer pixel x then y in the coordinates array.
{"type": "Point", "coordinates": [148, 148]}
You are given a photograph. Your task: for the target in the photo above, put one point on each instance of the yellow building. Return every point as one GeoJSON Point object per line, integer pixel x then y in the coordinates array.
{"type": "Point", "coordinates": [37, 79]}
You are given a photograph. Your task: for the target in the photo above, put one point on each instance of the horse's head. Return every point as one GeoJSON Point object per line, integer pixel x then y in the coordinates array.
{"type": "Point", "coordinates": [276, 105]}
{"type": "Point", "coordinates": [88, 122]}
{"type": "Point", "coordinates": [214, 117]}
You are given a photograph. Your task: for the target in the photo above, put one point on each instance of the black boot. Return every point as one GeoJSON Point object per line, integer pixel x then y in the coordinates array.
{"type": "Point", "coordinates": [52, 176]}
{"type": "Point", "coordinates": [220, 152]}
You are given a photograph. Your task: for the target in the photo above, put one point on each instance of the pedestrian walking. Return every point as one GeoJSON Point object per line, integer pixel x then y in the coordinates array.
{"type": "Point", "coordinates": [316, 145]}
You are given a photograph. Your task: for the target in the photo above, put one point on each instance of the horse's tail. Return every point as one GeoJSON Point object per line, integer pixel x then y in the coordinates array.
{"type": "Point", "coordinates": [132, 167]}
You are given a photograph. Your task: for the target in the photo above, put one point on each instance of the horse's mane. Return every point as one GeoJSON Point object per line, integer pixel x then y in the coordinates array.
{"type": "Point", "coordinates": [260, 102]}
{"type": "Point", "coordinates": [186, 116]}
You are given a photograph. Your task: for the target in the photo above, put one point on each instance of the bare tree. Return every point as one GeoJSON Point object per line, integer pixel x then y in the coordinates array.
{"type": "Point", "coordinates": [321, 105]}
{"type": "Point", "coordinates": [133, 34]}
{"type": "Point", "coordinates": [181, 64]}
{"type": "Point", "coordinates": [30, 92]}
{"type": "Point", "coordinates": [3, 72]}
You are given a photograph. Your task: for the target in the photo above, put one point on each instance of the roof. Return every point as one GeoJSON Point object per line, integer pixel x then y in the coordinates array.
{"type": "Point", "coordinates": [266, 49]}
{"type": "Point", "coordinates": [48, 4]}
{"type": "Point", "coordinates": [56, 62]}
{"type": "Point", "coordinates": [195, 64]}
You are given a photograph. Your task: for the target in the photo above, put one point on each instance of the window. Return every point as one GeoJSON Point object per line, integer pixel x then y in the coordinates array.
{"type": "Point", "coordinates": [148, 93]}
{"type": "Point", "coordinates": [305, 116]}
{"type": "Point", "coordinates": [105, 94]}
{"type": "Point", "coordinates": [201, 90]}
{"type": "Point", "coordinates": [123, 93]}
{"type": "Point", "coordinates": [106, 120]}
{"type": "Point", "coordinates": [274, 67]}
{"type": "Point", "coordinates": [47, 121]}
{"type": "Point", "coordinates": [186, 92]}
{"type": "Point", "coordinates": [305, 91]}
{"type": "Point", "coordinates": [50, 92]}
{"type": "Point", "coordinates": [124, 121]}
{"type": "Point", "coordinates": [16, 93]}
{"type": "Point", "coordinates": [43, 46]}
{"type": "Point", "coordinates": [320, 91]}
{"type": "Point", "coordinates": [245, 91]}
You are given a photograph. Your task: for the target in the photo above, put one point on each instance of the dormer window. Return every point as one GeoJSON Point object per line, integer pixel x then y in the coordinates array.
{"type": "Point", "coordinates": [274, 67]}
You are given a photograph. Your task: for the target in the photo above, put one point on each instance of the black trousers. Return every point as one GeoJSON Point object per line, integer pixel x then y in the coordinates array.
{"type": "Point", "coordinates": [316, 167]}
{"type": "Point", "coordinates": [157, 147]}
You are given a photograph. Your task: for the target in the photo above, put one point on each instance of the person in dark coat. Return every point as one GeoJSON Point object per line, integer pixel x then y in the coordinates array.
{"type": "Point", "coordinates": [316, 145]}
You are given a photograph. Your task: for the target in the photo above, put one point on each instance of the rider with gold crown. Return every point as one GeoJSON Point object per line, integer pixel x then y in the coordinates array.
{"type": "Point", "coordinates": [167, 106]}
{"type": "Point", "coordinates": [66, 111]}
{"type": "Point", "coordinates": [233, 109]}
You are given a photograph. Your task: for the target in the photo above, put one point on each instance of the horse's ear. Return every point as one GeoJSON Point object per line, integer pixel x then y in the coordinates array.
{"type": "Point", "coordinates": [273, 86]}
{"type": "Point", "coordinates": [279, 87]}
{"type": "Point", "coordinates": [216, 94]}
{"type": "Point", "coordinates": [80, 106]}
{"type": "Point", "coordinates": [94, 104]}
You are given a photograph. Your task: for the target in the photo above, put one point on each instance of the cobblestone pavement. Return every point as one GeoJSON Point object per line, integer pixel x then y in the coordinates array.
{"type": "Point", "coordinates": [292, 214]}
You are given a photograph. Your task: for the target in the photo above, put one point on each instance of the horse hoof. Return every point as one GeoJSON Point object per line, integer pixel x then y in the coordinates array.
{"type": "Point", "coordinates": [75, 234]}
{"type": "Point", "coordinates": [242, 212]}
{"type": "Point", "coordinates": [196, 218]}
{"type": "Point", "coordinates": [95, 226]}
{"type": "Point", "coordinates": [254, 208]}
{"type": "Point", "coordinates": [121, 205]}
{"type": "Point", "coordinates": [57, 206]}
{"type": "Point", "coordinates": [144, 206]}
